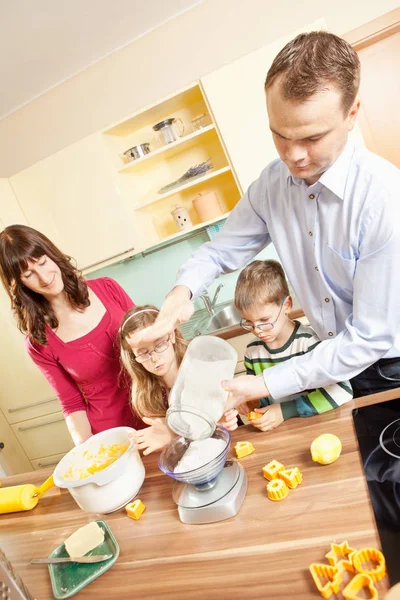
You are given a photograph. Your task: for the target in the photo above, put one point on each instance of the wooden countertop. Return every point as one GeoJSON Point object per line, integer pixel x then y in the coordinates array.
{"type": "Point", "coordinates": [263, 552]}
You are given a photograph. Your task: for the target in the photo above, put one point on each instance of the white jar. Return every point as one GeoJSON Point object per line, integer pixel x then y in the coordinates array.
{"type": "Point", "coordinates": [197, 399]}
{"type": "Point", "coordinates": [182, 218]}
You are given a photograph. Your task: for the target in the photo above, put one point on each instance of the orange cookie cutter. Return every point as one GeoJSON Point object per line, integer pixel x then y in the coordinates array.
{"type": "Point", "coordinates": [370, 555]}
{"type": "Point", "coordinates": [292, 477]}
{"type": "Point", "coordinates": [277, 490]}
{"type": "Point", "coordinates": [252, 415]}
{"type": "Point", "coordinates": [341, 556]}
{"type": "Point", "coordinates": [361, 581]}
{"type": "Point", "coordinates": [319, 571]}
{"type": "Point", "coordinates": [271, 470]}
{"type": "Point", "coordinates": [244, 449]}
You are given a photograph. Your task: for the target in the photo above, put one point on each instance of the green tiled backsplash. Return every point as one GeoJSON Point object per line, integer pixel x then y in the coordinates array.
{"type": "Point", "coordinates": [147, 279]}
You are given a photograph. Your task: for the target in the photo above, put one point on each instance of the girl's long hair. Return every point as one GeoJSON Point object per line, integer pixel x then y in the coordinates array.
{"type": "Point", "coordinates": [18, 245]}
{"type": "Point", "coordinates": [147, 388]}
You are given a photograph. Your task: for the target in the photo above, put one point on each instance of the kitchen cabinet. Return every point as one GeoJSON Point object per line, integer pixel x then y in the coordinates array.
{"type": "Point", "coordinates": [142, 180]}
{"type": "Point", "coordinates": [34, 437]}
{"type": "Point", "coordinates": [73, 198]}
{"type": "Point", "coordinates": [13, 459]}
{"type": "Point", "coordinates": [235, 94]}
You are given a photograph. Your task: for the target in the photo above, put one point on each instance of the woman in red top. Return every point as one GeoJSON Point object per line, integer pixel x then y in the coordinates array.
{"type": "Point", "coordinates": [71, 328]}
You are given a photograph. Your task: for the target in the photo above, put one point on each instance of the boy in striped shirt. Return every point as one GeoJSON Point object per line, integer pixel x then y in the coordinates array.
{"type": "Point", "coordinates": [262, 298]}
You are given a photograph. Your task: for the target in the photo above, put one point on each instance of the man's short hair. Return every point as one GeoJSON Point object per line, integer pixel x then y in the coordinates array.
{"type": "Point", "coordinates": [311, 61]}
{"type": "Point", "coordinates": [261, 282]}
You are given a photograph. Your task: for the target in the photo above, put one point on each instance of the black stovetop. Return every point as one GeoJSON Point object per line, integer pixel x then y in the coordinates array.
{"type": "Point", "coordinates": [378, 431]}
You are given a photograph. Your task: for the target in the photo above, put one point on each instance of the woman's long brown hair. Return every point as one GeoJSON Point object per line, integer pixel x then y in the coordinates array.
{"type": "Point", "coordinates": [147, 388]}
{"type": "Point", "coordinates": [18, 245]}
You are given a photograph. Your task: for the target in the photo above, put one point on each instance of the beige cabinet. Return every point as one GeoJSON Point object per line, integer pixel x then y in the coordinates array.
{"type": "Point", "coordinates": [235, 94]}
{"type": "Point", "coordinates": [13, 459]}
{"type": "Point", "coordinates": [44, 436]}
{"type": "Point", "coordinates": [73, 197]}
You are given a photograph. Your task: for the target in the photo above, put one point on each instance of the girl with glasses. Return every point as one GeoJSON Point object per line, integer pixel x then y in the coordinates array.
{"type": "Point", "coordinates": [153, 368]}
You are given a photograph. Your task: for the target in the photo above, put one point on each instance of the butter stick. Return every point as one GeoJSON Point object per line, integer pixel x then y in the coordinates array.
{"type": "Point", "coordinates": [84, 539]}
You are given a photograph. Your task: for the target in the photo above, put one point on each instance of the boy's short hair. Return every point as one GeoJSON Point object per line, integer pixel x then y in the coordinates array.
{"type": "Point", "coordinates": [261, 282]}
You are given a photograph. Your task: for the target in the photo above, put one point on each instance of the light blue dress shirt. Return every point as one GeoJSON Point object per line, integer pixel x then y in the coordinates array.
{"type": "Point", "coordinates": [339, 243]}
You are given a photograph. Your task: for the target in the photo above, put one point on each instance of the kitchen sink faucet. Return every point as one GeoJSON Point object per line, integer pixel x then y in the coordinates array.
{"type": "Point", "coordinates": [210, 304]}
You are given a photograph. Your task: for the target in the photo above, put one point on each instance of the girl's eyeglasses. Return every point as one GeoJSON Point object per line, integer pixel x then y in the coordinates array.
{"type": "Point", "coordinates": [161, 347]}
{"type": "Point", "coordinates": [248, 326]}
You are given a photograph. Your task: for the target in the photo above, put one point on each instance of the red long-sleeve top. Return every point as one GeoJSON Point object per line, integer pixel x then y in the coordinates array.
{"type": "Point", "coordinates": [85, 373]}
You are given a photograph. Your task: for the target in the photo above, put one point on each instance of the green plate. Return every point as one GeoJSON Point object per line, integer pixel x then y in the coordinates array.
{"type": "Point", "coordinates": [69, 578]}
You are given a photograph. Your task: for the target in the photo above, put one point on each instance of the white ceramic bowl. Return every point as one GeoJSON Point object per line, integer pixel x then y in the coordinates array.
{"type": "Point", "coordinates": [107, 490]}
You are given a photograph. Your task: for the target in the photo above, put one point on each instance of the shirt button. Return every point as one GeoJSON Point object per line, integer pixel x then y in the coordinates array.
{"type": "Point", "coordinates": [326, 299]}
{"type": "Point", "coordinates": [311, 196]}
{"type": "Point", "coordinates": [310, 233]}
{"type": "Point", "coordinates": [316, 268]}
{"type": "Point", "coordinates": [330, 333]}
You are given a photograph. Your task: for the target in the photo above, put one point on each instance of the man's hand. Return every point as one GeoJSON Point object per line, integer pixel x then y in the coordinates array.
{"type": "Point", "coordinates": [176, 309]}
{"type": "Point", "coordinates": [270, 417]}
{"type": "Point", "coordinates": [152, 438]}
{"type": "Point", "coordinates": [229, 420]}
{"type": "Point", "coordinates": [243, 389]}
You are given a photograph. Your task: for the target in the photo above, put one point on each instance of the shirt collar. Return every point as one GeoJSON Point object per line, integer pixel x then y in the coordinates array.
{"type": "Point", "coordinates": [335, 177]}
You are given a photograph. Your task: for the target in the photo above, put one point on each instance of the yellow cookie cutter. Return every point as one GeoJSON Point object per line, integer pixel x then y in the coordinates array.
{"type": "Point", "coordinates": [243, 449]}
{"type": "Point", "coordinates": [371, 555]}
{"type": "Point", "coordinates": [135, 509]}
{"type": "Point", "coordinates": [361, 581]}
{"type": "Point", "coordinates": [277, 490]}
{"type": "Point", "coordinates": [292, 477]}
{"type": "Point", "coordinates": [326, 571]}
{"type": "Point", "coordinates": [341, 556]}
{"type": "Point", "coordinates": [252, 415]}
{"type": "Point", "coordinates": [271, 470]}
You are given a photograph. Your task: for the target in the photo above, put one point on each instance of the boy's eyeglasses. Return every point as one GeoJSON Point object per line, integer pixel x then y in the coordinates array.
{"type": "Point", "coordinates": [248, 326]}
{"type": "Point", "coordinates": [161, 347]}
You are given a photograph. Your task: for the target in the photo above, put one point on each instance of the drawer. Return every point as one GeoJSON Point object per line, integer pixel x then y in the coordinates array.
{"type": "Point", "coordinates": [47, 461]}
{"type": "Point", "coordinates": [44, 436]}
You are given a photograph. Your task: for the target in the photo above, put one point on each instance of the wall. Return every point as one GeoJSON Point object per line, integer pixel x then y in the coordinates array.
{"type": "Point", "coordinates": [201, 40]}
{"type": "Point", "coordinates": [146, 282]}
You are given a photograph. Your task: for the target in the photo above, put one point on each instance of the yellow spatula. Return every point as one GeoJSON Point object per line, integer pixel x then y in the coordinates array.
{"type": "Point", "coordinates": [22, 497]}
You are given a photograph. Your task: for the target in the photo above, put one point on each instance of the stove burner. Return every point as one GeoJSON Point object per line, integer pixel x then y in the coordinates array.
{"type": "Point", "coordinates": [390, 439]}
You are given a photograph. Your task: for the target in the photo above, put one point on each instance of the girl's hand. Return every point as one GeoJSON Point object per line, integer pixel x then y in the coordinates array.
{"type": "Point", "coordinates": [246, 407]}
{"type": "Point", "coordinates": [152, 438]}
{"type": "Point", "coordinates": [270, 417]}
{"type": "Point", "coordinates": [229, 420]}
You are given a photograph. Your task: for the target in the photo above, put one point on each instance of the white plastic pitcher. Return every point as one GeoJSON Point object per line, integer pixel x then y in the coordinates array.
{"type": "Point", "coordinates": [197, 399]}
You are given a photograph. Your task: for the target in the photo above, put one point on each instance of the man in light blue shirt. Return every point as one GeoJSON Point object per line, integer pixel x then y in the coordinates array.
{"type": "Point", "coordinates": [332, 211]}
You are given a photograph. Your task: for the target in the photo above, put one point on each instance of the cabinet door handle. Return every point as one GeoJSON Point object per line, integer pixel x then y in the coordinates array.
{"type": "Point", "coordinates": [41, 424]}
{"type": "Point", "coordinates": [48, 464]}
{"type": "Point", "coordinates": [1, 445]}
{"type": "Point", "coordinates": [13, 410]}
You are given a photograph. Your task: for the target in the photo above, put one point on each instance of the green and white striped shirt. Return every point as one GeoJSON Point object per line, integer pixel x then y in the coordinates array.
{"type": "Point", "coordinates": [259, 357]}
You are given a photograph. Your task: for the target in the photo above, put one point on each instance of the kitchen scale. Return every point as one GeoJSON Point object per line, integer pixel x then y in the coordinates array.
{"type": "Point", "coordinates": [210, 493]}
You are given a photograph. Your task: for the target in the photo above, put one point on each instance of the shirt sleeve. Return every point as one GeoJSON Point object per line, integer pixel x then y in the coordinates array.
{"type": "Point", "coordinates": [371, 329]}
{"type": "Point", "coordinates": [118, 293]}
{"type": "Point", "coordinates": [66, 389]}
{"type": "Point", "coordinates": [316, 402]}
{"type": "Point", "coordinates": [243, 236]}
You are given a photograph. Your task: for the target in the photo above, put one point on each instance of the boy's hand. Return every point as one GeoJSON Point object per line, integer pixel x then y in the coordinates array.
{"type": "Point", "coordinates": [243, 389]}
{"type": "Point", "coordinates": [270, 417]}
{"type": "Point", "coordinates": [152, 438]}
{"type": "Point", "coordinates": [229, 420]}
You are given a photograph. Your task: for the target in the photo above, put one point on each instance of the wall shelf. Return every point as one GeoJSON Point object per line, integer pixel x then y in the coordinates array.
{"type": "Point", "coordinates": [182, 143]}
{"type": "Point", "coordinates": [185, 186]}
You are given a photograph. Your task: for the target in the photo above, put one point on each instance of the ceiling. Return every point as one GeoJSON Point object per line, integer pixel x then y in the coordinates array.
{"type": "Point", "coordinates": [44, 42]}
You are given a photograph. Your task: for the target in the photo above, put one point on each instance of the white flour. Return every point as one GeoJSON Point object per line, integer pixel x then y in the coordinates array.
{"type": "Point", "coordinates": [200, 453]}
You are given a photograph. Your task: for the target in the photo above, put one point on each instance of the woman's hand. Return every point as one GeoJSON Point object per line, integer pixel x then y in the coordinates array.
{"type": "Point", "coordinates": [152, 438]}
{"type": "Point", "coordinates": [243, 389]}
{"type": "Point", "coordinates": [270, 417]}
{"type": "Point", "coordinates": [176, 309]}
{"type": "Point", "coordinates": [229, 420]}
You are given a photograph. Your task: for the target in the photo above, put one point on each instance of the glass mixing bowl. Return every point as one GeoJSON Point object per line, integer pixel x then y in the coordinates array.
{"type": "Point", "coordinates": [172, 454]}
